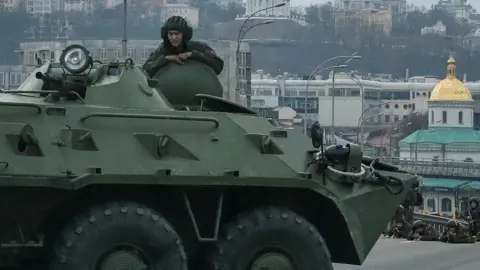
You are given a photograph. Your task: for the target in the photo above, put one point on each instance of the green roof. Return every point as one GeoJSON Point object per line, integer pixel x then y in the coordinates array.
{"type": "Point", "coordinates": [443, 183]}
{"type": "Point", "coordinates": [443, 136]}
{"type": "Point", "coordinates": [472, 185]}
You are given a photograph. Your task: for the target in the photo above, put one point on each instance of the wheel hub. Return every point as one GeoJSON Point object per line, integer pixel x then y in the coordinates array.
{"type": "Point", "coordinates": [272, 261]}
{"type": "Point", "coordinates": [122, 260]}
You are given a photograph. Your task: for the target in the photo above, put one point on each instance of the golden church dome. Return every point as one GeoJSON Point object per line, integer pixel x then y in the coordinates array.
{"type": "Point", "coordinates": [450, 88]}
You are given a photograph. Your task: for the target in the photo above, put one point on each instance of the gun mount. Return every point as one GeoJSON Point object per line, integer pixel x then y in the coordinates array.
{"type": "Point", "coordinates": [93, 156]}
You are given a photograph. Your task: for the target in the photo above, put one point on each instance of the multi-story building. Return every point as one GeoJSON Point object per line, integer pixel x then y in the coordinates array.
{"type": "Point", "coordinates": [459, 9]}
{"type": "Point", "coordinates": [11, 76]}
{"type": "Point", "coordinates": [471, 41]}
{"type": "Point", "coordinates": [253, 6]}
{"type": "Point", "coordinates": [86, 6]}
{"type": "Point", "coordinates": [10, 5]}
{"type": "Point", "coordinates": [387, 102]}
{"type": "Point", "coordinates": [188, 12]}
{"type": "Point", "coordinates": [438, 29]}
{"type": "Point", "coordinates": [43, 7]}
{"type": "Point", "coordinates": [138, 50]}
{"type": "Point", "coordinates": [394, 6]}
{"type": "Point", "coordinates": [376, 20]}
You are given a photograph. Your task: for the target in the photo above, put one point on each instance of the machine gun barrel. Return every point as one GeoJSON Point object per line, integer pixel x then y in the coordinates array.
{"type": "Point", "coordinates": [47, 78]}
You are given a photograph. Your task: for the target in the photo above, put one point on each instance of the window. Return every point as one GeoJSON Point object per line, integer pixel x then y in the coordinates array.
{"type": "Point", "coordinates": [387, 118]}
{"type": "Point", "coordinates": [431, 205]}
{"type": "Point", "coordinates": [2, 82]}
{"type": "Point", "coordinates": [103, 55]}
{"type": "Point", "coordinates": [460, 118]}
{"type": "Point", "coordinates": [116, 54]}
{"type": "Point", "coordinates": [396, 118]}
{"type": "Point", "coordinates": [444, 117]}
{"type": "Point", "coordinates": [130, 54]}
{"type": "Point", "coordinates": [13, 78]}
{"type": "Point", "coordinates": [446, 205]}
{"type": "Point", "coordinates": [432, 117]}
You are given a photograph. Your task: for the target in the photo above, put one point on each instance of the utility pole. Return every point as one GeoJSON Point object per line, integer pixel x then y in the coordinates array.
{"type": "Point", "coordinates": [124, 41]}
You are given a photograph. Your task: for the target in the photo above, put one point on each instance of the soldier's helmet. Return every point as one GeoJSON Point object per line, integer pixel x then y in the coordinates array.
{"type": "Point", "coordinates": [179, 24]}
{"type": "Point", "coordinates": [418, 224]}
{"type": "Point", "coordinates": [452, 223]}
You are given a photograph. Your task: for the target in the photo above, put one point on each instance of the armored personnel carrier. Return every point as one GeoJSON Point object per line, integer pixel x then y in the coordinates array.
{"type": "Point", "coordinates": [98, 171]}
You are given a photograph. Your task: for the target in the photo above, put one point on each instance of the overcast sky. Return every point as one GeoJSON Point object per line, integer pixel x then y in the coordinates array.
{"type": "Point", "coordinates": [426, 3]}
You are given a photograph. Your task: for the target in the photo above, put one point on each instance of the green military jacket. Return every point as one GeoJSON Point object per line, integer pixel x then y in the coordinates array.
{"type": "Point", "coordinates": [458, 235]}
{"type": "Point", "coordinates": [428, 234]}
{"type": "Point", "coordinates": [200, 51]}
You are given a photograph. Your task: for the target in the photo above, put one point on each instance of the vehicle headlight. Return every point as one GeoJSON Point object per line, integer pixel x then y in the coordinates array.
{"type": "Point", "coordinates": [75, 59]}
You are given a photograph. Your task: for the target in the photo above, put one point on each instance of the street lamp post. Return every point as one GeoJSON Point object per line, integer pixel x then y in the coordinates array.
{"type": "Point", "coordinates": [360, 123]}
{"type": "Point", "coordinates": [362, 92]}
{"type": "Point", "coordinates": [317, 71]}
{"type": "Point", "coordinates": [241, 35]}
{"type": "Point", "coordinates": [306, 91]}
{"type": "Point", "coordinates": [418, 138]}
{"type": "Point", "coordinates": [392, 129]}
{"type": "Point", "coordinates": [124, 41]}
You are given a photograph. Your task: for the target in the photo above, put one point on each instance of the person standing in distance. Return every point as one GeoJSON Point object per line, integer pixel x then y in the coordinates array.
{"type": "Point", "coordinates": [177, 47]}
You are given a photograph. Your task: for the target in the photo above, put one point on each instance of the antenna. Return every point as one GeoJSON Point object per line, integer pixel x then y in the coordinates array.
{"type": "Point", "coordinates": [124, 41]}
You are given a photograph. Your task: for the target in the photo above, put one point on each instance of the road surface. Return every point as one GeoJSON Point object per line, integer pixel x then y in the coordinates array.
{"type": "Point", "coordinates": [395, 254]}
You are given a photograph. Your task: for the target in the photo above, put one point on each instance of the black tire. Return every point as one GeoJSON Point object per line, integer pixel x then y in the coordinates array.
{"type": "Point", "coordinates": [271, 229]}
{"type": "Point", "coordinates": [82, 244]}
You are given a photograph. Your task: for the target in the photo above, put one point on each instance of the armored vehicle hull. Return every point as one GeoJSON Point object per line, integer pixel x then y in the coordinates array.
{"type": "Point", "coordinates": [110, 175]}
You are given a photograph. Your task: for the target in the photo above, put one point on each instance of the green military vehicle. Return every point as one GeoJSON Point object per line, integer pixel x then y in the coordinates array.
{"type": "Point", "coordinates": [99, 171]}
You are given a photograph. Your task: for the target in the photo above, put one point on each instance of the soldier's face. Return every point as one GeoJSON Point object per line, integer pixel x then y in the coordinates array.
{"type": "Point", "coordinates": [473, 204]}
{"type": "Point", "coordinates": [175, 38]}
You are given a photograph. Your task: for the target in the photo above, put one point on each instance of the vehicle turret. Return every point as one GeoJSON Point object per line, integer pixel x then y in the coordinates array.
{"type": "Point", "coordinates": [97, 167]}
{"type": "Point", "coordinates": [181, 83]}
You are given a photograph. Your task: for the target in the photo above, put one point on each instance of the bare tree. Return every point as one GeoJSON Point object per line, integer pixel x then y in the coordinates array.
{"type": "Point", "coordinates": [412, 123]}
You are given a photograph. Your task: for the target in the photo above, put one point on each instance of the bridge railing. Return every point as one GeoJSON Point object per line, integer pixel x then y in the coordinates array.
{"type": "Point", "coordinates": [454, 168]}
{"type": "Point", "coordinates": [438, 223]}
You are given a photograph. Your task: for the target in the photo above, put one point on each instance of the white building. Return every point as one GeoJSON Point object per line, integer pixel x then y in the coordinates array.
{"type": "Point", "coordinates": [395, 6]}
{"type": "Point", "coordinates": [43, 7]}
{"type": "Point", "coordinates": [450, 135]}
{"type": "Point", "coordinates": [10, 5]}
{"type": "Point", "coordinates": [388, 102]}
{"type": "Point", "coordinates": [438, 29]}
{"type": "Point", "coordinates": [86, 6]}
{"type": "Point", "coordinates": [252, 6]}
{"type": "Point", "coordinates": [188, 12]}
{"type": "Point", "coordinates": [459, 9]}
{"type": "Point", "coordinates": [11, 76]}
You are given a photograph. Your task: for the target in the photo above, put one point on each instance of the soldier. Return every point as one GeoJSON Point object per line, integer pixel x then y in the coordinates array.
{"type": "Point", "coordinates": [473, 216]}
{"type": "Point", "coordinates": [422, 232]}
{"type": "Point", "coordinates": [455, 233]}
{"type": "Point", "coordinates": [177, 47]}
{"type": "Point", "coordinates": [400, 229]}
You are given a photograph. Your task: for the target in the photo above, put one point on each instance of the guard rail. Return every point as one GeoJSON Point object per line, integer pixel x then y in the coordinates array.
{"type": "Point", "coordinates": [437, 222]}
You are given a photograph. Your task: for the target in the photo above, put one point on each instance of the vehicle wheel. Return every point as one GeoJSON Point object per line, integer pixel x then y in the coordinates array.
{"type": "Point", "coordinates": [119, 236]}
{"type": "Point", "coordinates": [271, 238]}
